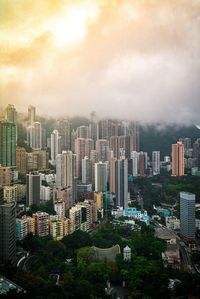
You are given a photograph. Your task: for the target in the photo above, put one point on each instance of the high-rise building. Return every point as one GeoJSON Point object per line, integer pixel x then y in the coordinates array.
{"type": "Point", "coordinates": [7, 230]}
{"type": "Point", "coordinates": [6, 176]}
{"type": "Point", "coordinates": [7, 144]}
{"type": "Point", "coordinates": [66, 171]}
{"type": "Point", "coordinates": [55, 146]}
{"type": "Point", "coordinates": [31, 115]}
{"type": "Point", "coordinates": [102, 147]}
{"type": "Point", "coordinates": [80, 152]}
{"type": "Point", "coordinates": [31, 162]}
{"type": "Point", "coordinates": [187, 215]}
{"type": "Point", "coordinates": [101, 177]}
{"type": "Point", "coordinates": [89, 146]}
{"type": "Point", "coordinates": [121, 183]}
{"type": "Point", "coordinates": [94, 159]}
{"type": "Point", "coordinates": [112, 175]}
{"type": "Point", "coordinates": [10, 193]}
{"type": "Point", "coordinates": [64, 128]}
{"type": "Point", "coordinates": [86, 170]}
{"type": "Point", "coordinates": [93, 131]}
{"type": "Point", "coordinates": [142, 163]}
{"type": "Point", "coordinates": [83, 132]}
{"type": "Point", "coordinates": [59, 171]}
{"type": "Point", "coordinates": [114, 145]}
{"type": "Point", "coordinates": [33, 189]}
{"type": "Point", "coordinates": [156, 162]}
{"type": "Point", "coordinates": [42, 158]}
{"type": "Point", "coordinates": [11, 114]}
{"type": "Point", "coordinates": [34, 136]}
{"type": "Point", "coordinates": [135, 163]}
{"type": "Point", "coordinates": [134, 132]}
{"type": "Point", "coordinates": [41, 224]}
{"type": "Point", "coordinates": [178, 159]}
{"type": "Point", "coordinates": [21, 160]}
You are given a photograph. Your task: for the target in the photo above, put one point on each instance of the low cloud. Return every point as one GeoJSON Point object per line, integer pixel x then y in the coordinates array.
{"type": "Point", "coordinates": [140, 59]}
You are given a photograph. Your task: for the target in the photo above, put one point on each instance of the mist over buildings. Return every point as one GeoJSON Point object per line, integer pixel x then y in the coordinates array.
{"type": "Point", "coordinates": [138, 60]}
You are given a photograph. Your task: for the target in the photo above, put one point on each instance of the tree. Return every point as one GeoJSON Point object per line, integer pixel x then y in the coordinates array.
{"type": "Point", "coordinates": [84, 256]}
{"type": "Point", "coordinates": [77, 240]}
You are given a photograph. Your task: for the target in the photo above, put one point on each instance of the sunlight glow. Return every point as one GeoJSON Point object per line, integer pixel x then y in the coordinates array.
{"type": "Point", "coordinates": [72, 27]}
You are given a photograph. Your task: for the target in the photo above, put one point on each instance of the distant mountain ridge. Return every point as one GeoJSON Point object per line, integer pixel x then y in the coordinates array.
{"type": "Point", "coordinates": [158, 137]}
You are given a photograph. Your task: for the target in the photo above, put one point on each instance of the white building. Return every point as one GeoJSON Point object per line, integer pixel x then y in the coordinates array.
{"type": "Point", "coordinates": [55, 146]}
{"type": "Point", "coordinates": [134, 157]}
{"type": "Point", "coordinates": [59, 207]}
{"type": "Point", "coordinates": [127, 253]}
{"type": "Point", "coordinates": [10, 193]}
{"type": "Point", "coordinates": [34, 136]}
{"type": "Point", "coordinates": [156, 162]}
{"type": "Point", "coordinates": [45, 193]}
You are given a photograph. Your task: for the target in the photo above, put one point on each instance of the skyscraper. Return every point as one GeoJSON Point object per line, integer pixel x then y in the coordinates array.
{"type": "Point", "coordinates": [7, 144]}
{"type": "Point", "coordinates": [80, 152]}
{"type": "Point", "coordinates": [11, 114]}
{"type": "Point", "coordinates": [31, 115]}
{"type": "Point", "coordinates": [112, 176]}
{"type": "Point", "coordinates": [64, 128]}
{"type": "Point", "coordinates": [156, 162]}
{"type": "Point", "coordinates": [89, 146]}
{"type": "Point", "coordinates": [21, 160]}
{"type": "Point", "coordinates": [7, 230]}
{"type": "Point", "coordinates": [102, 148]}
{"type": "Point", "coordinates": [135, 163]}
{"type": "Point", "coordinates": [101, 175]}
{"type": "Point", "coordinates": [121, 183]}
{"type": "Point", "coordinates": [83, 132]}
{"type": "Point", "coordinates": [187, 215]}
{"type": "Point", "coordinates": [33, 189]}
{"type": "Point", "coordinates": [86, 170]}
{"type": "Point", "coordinates": [55, 146]}
{"type": "Point", "coordinates": [178, 159]}
{"type": "Point", "coordinates": [66, 171]}
{"type": "Point", "coordinates": [34, 136]}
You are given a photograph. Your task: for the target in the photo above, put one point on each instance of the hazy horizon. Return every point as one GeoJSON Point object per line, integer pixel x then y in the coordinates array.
{"type": "Point", "coordinates": [136, 59]}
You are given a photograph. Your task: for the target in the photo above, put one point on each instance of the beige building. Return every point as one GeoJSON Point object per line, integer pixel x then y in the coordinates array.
{"type": "Point", "coordinates": [10, 193]}
{"type": "Point", "coordinates": [56, 228]}
{"type": "Point", "coordinates": [42, 158]}
{"type": "Point", "coordinates": [178, 159]}
{"type": "Point", "coordinates": [31, 225]}
{"type": "Point", "coordinates": [6, 176]}
{"type": "Point", "coordinates": [98, 199]}
{"type": "Point", "coordinates": [21, 160]}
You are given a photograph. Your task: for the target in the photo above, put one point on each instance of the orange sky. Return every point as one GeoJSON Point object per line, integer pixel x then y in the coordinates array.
{"type": "Point", "coordinates": [130, 58]}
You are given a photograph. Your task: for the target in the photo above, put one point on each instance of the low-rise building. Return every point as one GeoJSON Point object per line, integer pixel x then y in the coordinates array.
{"type": "Point", "coordinates": [10, 193]}
{"type": "Point", "coordinates": [172, 223]}
{"type": "Point", "coordinates": [21, 227]}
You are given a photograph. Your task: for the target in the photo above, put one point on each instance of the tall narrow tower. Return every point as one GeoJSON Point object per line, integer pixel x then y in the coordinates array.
{"type": "Point", "coordinates": [121, 183]}
{"type": "Point", "coordinates": [7, 230]}
{"type": "Point", "coordinates": [7, 144]}
{"type": "Point", "coordinates": [187, 215]}
{"type": "Point", "coordinates": [178, 159]}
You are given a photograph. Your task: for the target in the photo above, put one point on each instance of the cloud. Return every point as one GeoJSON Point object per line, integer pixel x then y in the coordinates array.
{"type": "Point", "coordinates": [139, 59]}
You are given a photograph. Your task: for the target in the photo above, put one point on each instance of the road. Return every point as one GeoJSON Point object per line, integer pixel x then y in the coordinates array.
{"type": "Point", "coordinates": [186, 260]}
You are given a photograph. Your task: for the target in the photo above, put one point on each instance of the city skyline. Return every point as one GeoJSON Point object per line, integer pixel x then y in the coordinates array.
{"type": "Point", "coordinates": [134, 59]}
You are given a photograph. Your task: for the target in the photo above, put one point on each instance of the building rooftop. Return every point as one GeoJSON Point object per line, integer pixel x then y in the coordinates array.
{"type": "Point", "coordinates": [6, 285]}
{"type": "Point", "coordinates": [164, 234]}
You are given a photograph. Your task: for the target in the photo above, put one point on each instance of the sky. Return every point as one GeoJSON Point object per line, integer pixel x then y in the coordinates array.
{"type": "Point", "coordinates": [132, 59]}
